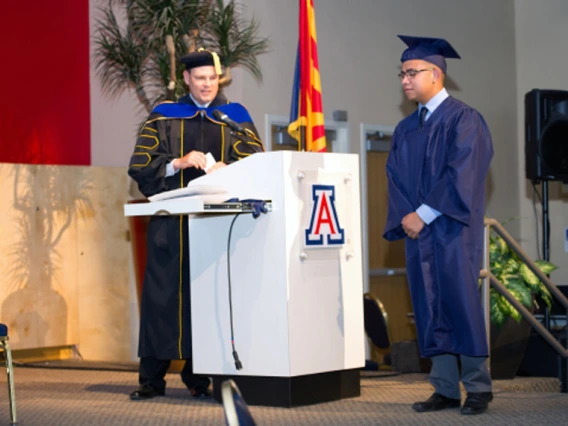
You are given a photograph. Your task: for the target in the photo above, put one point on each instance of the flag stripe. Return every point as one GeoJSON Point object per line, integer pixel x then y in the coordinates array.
{"type": "Point", "coordinates": [307, 108]}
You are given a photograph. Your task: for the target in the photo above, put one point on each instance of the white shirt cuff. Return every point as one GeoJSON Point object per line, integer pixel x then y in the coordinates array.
{"type": "Point", "coordinates": [170, 171]}
{"type": "Point", "coordinates": [427, 213]}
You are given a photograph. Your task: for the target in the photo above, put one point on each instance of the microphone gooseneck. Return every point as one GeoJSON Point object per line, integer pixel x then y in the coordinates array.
{"type": "Point", "coordinates": [221, 116]}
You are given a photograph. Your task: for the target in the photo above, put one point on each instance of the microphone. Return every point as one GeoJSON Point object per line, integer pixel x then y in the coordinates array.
{"type": "Point", "coordinates": [221, 116]}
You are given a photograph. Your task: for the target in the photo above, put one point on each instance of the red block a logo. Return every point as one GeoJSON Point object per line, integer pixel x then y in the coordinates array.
{"type": "Point", "coordinates": [324, 229]}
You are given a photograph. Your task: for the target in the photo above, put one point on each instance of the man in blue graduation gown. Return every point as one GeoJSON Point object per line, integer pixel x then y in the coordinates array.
{"type": "Point", "coordinates": [170, 152]}
{"type": "Point", "coordinates": [436, 170]}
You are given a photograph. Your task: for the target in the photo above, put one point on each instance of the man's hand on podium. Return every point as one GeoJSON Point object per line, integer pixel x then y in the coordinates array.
{"type": "Point", "coordinates": [218, 165]}
{"type": "Point", "coordinates": [193, 159]}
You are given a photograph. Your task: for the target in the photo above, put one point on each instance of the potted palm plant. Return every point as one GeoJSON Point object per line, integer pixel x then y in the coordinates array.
{"type": "Point", "coordinates": [142, 54]}
{"type": "Point", "coordinates": [509, 333]}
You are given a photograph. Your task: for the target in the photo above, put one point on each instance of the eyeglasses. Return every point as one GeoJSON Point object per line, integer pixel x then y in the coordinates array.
{"type": "Point", "coordinates": [411, 73]}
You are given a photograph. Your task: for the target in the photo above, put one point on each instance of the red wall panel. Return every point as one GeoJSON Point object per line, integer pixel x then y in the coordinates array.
{"type": "Point", "coordinates": [44, 82]}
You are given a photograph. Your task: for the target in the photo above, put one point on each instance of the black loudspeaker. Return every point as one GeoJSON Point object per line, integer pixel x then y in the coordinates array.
{"type": "Point", "coordinates": [546, 135]}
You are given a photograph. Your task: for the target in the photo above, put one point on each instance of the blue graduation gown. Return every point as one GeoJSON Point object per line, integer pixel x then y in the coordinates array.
{"type": "Point", "coordinates": [444, 165]}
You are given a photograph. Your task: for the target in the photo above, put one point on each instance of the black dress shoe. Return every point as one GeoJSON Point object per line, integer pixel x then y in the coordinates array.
{"type": "Point", "coordinates": [476, 402]}
{"type": "Point", "coordinates": [145, 392]}
{"type": "Point", "coordinates": [436, 402]}
{"type": "Point", "coordinates": [200, 392]}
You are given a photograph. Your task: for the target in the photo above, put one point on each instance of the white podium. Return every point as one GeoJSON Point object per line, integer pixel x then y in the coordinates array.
{"type": "Point", "coordinates": [295, 273]}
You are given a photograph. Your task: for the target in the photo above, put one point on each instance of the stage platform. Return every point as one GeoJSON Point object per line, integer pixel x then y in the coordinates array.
{"type": "Point", "coordinates": [78, 396]}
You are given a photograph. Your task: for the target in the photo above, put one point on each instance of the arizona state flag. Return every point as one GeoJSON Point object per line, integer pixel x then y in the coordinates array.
{"type": "Point", "coordinates": [306, 113]}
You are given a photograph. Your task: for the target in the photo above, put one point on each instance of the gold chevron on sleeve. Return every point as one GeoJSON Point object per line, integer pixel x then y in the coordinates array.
{"type": "Point", "coordinates": [140, 159]}
{"type": "Point", "coordinates": [143, 146]}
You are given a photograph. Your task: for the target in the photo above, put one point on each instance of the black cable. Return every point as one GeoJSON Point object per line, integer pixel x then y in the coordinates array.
{"type": "Point", "coordinates": [535, 191]}
{"type": "Point", "coordinates": [547, 220]}
{"type": "Point", "coordinates": [238, 363]}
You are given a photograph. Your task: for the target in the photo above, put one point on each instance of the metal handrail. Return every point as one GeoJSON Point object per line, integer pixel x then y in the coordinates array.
{"type": "Point", "coordinates": [489, 279]}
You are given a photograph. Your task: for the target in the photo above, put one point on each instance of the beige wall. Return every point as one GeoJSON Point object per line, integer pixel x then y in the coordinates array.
{"type": "Point", "coordinates": [542, 61]}
{"type": "Point", "coordinates": [65, 263]}
{"type": "Point", "coordinates": [114, 120]}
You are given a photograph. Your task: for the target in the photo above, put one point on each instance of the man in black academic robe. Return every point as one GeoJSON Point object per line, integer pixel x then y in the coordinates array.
{"type": "Point", "coordinates": [436, 172]}
{"type": "Point", "coordinates": [170, 152]}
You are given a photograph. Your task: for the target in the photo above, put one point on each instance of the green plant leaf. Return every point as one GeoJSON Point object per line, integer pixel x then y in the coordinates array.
{"type": "Point", "coordinates": [545, 295]}
{"type": "Point", "coordinates": [513, 313]}
{"type": "Point", "coordinates": [494, 253]}
{"type": "Point", "coordinates": [502, 246]}
{"type": "Point", "coordinates": [497, 315]}
{"type": "Point", "coordinates": [521, 292]}
{"type": "Point", "coordinates": [496, 266]}
{"type": "Point", "coordinates": [499, 254]}
{"type": "Point", "coordinates": [530, 278]}
{"type": "Point", "coordinates": [511, 267]}
{"type": "Point", "coordinates": [509, 309]}
{"type": "Point", "coordinates": [546, 266]}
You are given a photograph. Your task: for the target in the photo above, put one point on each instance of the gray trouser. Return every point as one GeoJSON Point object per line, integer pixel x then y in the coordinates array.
{"type": "Point", "coordinates": [445, 375]}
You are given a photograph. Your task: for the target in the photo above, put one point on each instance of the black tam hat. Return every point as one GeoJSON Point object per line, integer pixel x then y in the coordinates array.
{"type": "Point", "coordinates": [202, 58]}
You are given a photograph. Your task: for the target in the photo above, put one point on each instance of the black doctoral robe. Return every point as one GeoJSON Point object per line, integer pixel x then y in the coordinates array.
{"type": "Point", "coordinates": [172, 131]}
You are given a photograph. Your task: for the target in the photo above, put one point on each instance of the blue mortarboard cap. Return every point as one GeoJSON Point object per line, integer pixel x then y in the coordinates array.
{"type": "Point", "coordinates": [432, 50]}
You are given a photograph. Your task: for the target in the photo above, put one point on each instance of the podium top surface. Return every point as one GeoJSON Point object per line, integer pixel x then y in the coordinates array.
{"type": "Point", "coordinates": [181, 206]}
